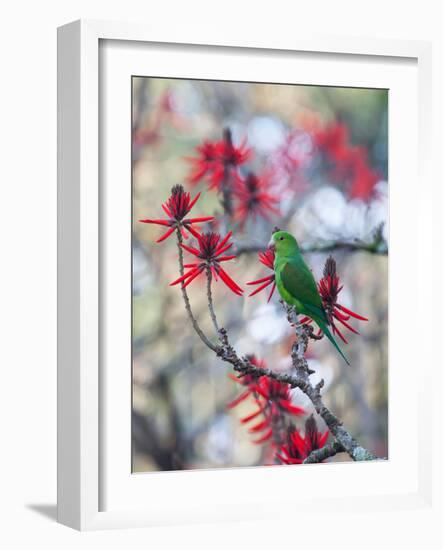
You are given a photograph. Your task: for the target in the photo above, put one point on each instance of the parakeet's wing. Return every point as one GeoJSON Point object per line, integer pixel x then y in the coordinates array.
{"type": "Point", "coordinates": [299, 281]}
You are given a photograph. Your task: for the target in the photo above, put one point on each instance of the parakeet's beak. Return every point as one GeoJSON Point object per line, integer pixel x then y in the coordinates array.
{"type": "Point", "coordinates": [271, 243]}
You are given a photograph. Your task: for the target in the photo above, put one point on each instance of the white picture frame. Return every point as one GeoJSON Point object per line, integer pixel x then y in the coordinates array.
{"type": "Point", "coordinates": [82, 394]}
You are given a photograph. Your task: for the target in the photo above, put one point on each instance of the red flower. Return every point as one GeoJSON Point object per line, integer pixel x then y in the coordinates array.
{"type": "Point", "coordinates": [334, 142]}
{"type": "Point", "coordinates": [297, 448]}
{"type": "Point", "coordinates": [293, 451]}
{"type": "Point", "coordinates": [363, 177]}
{"type": "Point", "coordinates": [203, 164]}
{"type": "Point", "coordinates": [176, 208]}
{"type": "Point", "coordinates": [254, 199]}
{"type": "Point", "coordinates": [210, 255]}
{"type": "Point", "coordinates": [350, 164]}
{"type": "Point", "coordinates": [272, 399]}
{"type": "Point", "coordinates": [313, 438]}
{"type": "Point", "coordinates": [230, 155]}
{"type": "Point", "coordinates": [329, 288]}
{"type": "Point", "coordinates": [278, 395]}
{"type": "Point", "coordinates": [216, 160]}
{"type": "Point", "coordinates": [247, 380]}
{"type": "Point", "coordinates": [267, 258]}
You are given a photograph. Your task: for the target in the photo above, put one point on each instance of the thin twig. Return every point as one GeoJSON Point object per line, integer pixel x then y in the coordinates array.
{"type": "Point", "coordinates": [226, 192]}
{"type": "Point", "coordinates": [225, 183]}
{"type": "Point", "coordinates": [194, 322]}
{"type": "Point", "coordinates": [210, 301]}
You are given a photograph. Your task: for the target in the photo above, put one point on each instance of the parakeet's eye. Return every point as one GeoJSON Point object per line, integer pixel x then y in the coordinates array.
{"type": "Point", "coordinates": [281, 238]}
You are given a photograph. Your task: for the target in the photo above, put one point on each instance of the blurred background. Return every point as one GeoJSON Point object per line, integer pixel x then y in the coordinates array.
{"type": "Point", "coordinates": [323, 153]}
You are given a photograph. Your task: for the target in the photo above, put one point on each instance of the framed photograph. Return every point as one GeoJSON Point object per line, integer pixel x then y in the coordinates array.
{"type": "Point", "coordinates": [236, 282]}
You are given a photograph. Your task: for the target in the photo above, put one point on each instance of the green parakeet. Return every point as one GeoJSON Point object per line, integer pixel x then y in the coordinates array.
{"type": "Point", "coordinates": [296, 284]}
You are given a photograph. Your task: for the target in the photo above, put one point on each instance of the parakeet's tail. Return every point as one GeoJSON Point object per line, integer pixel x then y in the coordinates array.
{"type": "Point", "coordinates": [328, 334]}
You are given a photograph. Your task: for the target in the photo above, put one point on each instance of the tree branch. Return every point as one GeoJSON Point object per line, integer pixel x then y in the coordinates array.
{"type": "Point", "coordinates": [325, 452]}
{"type": "Point", "coordinates": [375, 247]}
{"type": "Point", "coordinates": [298, 378]}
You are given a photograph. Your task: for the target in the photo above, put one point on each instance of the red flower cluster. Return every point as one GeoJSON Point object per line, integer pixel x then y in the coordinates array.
{"type": "Point", "coordinates": [218, 163]}
{"type": "Point", "coordinates": [329, 288]}
{"type": "Point", "coordinates": [273, 401]}
{"type": "Point", "coordinates": [176, 208]}
{"type": "Point", "coordinates": [267, 258]}
{"type": "Point", "coordinates": [254, 199]}
{"type": "Point", "coordinates": [297, 448]}
{"type": "Point", "coordinates": [216, 160]}
{"type": "Point", "coordinates": [209, 253]}
{"type": "Point", "coordinates": [350, 162]}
